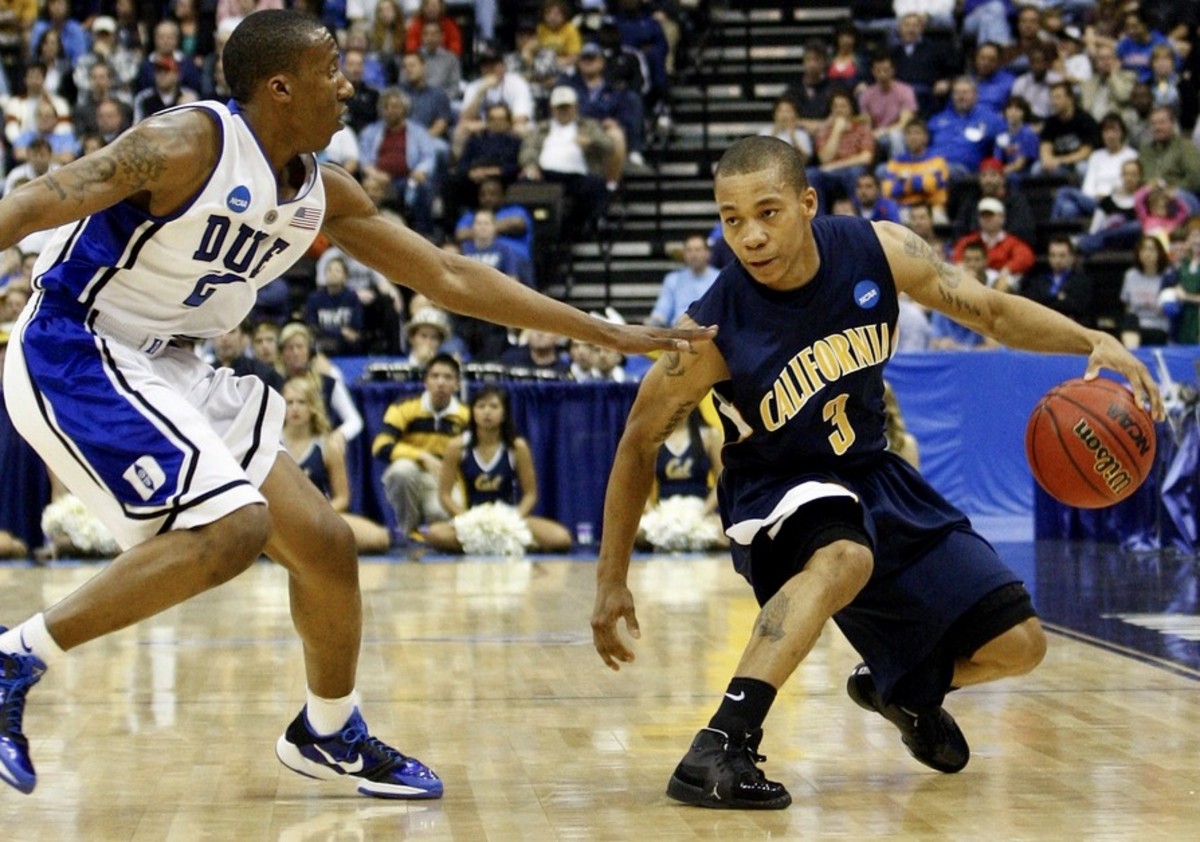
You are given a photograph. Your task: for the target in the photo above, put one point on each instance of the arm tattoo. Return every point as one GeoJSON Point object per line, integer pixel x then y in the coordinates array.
{"type": "Point", "coordinates": [673, 361]}
{"type": "Point", "coordinates": [89, 172]}
{"type": "Point", "coordinates": [139, 160]}
{"type": "Point", "coordinates": [914, 246]}
{"type": "Point", "coordinates": [771, 620]}
{"type": "Point", "coordinates": [674, 421]}
{"type": "Point", "coordinates": [956, 303]}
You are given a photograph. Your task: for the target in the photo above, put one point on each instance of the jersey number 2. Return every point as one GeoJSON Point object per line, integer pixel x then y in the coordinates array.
{"type": "Point", "coordinates": [843, 434]}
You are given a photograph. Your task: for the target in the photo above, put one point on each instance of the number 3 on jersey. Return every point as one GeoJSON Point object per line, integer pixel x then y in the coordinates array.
{"type": "Point", "coordinates": [843, 434]}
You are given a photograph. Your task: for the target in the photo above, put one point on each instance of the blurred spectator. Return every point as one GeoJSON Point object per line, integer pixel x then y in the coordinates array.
{"type": "Point", "coordinates": [618, 110]}
{"type": "Point", "coordinates": [1073, 62]}
{"type": "Point", "coordinates": [496, 84]}
{"type": "Point", "coordinates": [430, 106]}
{"type": "Point", "coordinates": [843, 206]}
{"type": "Point", "coordinates": [1063, 286]}
{"type": "Point", "coordinates": [387, 33]}
{"type": "Point", "coordinates": [100, 87]}
{"type": "Point", "coordinates": [380, 298]}
{"type": "Point", "coordinates": [965, 131]}
{"type": "Point", "coordinates": [16, 21]}
{"type": "Point", "coordinates": [434, 12]}
{"type": "Point", "coordinates": [1171, 160]}
{"type": "Point", "coordinates": [987, 20]}
{"type": "Point", "coordinates": [1145, 323]}
{"type": "Point", "coordinates": [379, 71]}
{"type": "Point", "coordinates": [362, 109]}
{"type": "Point", "coordinates": [641, 30]}
{"type": "Point", "coordinates": [59, 75]}
{"type": "Point", "coordinates": [993, 83]}
{"type": "Point", "coordinates": [1115, 222]}
{"type": "Point", "coordinates": [1007, 254]}
{"type": "Point", "coordinates": [888, 103]}
{"type": "Point", "coordinates": [166, 46]}
{"type": "Point", "coordinates": [232, 350]}
{"type": "Point", "coordinates": [342, 150]}
{"type": "Point", "coordinates": [110, 119]}
{"type": "Point", "coordinates": [1137, 43]}
{"type": "Point", "coordinates": [428, 333]}
{"type": "Point", "coordinates": [1159, 211]}
{"type": "Point", "coordinates": [680, 287]}
{"type": "Point", "coordinates": [845, 147]}
{"type": "Point", "coordinates": [237, 9]}
{"type": "Point", "coordinates": [484, 246]}
{"type": "Point", "coordinates": [298, 359]}
{"type": "Point", "coordinates": [514, 225]}
{"type": "Point", "coordinates": [1017, 211]}
{"type": "Point", "coordinates": [811, 92]}
{"type": "Point", "coordinates": [212, 68]}
{"type": "Point", "coordinates": [1187, 291]}
{"type": "Point", "coordinates": [1018, 146]}
{"type": "Point", "coordinates": [166, 92]}
{"type": "Point", "coordinates": [947, 334]}
{"type": "Point", "coordinates": [539, 350]}
{"type": "Point", "coordinates": [20, 112]}
{"type": "Point", "coordinates": [335, 314]}
{"type": "Point", "coordinates": [557, 33]}
{"type": "Point", "coordinates": [443, 68]}
{"type": "Point", "coordinates": [72, 35]}
{"type": "Point", "coordinates": [1102, 176]}
{"type": "Point", "coordinates": [195, 38]}
{"type": "Point", "coordinates": [1028, 37]}
{"type": "Point", "coordinates": [574, 152]}
{"type": "Point", "coordinates": [913, 330]}
{"type": "Point", "coordinates": [916, 175]}
{"type": "Point", "coordinates": [870, 204]}
{"type": "Point", "coordinates": [1110, 86]}
{"type": "Point", "coordinates": [536, 64]}
{"type": "Point", "coordinates": [38, 161]}
{"type": "Point", "coordinates": [1068, 136]}
{"type": "Point", "coordinates": [265, 345]}
{"type": "Point", "coordinates": [63, 146]}
{"type": "Point", "coordinates": [785, 125]}
{"type": "Point", "coordinates": [583, 360]}
{"type": "Point", "coordinates": [1137, 115]}
{"type": "Point", "coordinates": [921, 63]}
{"type": "Point", "coordinates": [132, 32]}
{"type": "Point", "coordinates": [403, 150]}
{"type": "Point", "coordinates": [921, 222]}
{"type": "Point", "coordinates": [847, 66]}
{"type": "Point", "coordinates": [1164, 78]}
{"type": "Point", "coordinates": [722, 254]}
{"type": "Point", "coordinates": [1034, 84]}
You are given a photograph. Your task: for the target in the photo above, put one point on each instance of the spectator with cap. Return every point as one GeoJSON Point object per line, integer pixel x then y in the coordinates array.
{"type": "Point", "coordinates": [425, 334]}
{"type": "Point", "coordinates": [1006, 253]}
{"type": "Point", "coordinates": [992, 184]}
{"type": "Point", "coordinates": [1073, 60]}
{"type": "Point", "coordinates": [572, 151]}
{"type": "Point", "coordinates": [618, 110]}
{"type": "Point", "coordinates": [166, 92]}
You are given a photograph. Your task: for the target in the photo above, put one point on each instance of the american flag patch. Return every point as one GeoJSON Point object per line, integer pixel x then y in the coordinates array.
{"type": "Point", "coordinates": [307, 218]}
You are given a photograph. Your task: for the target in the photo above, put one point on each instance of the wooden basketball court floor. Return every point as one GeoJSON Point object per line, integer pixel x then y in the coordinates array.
{"type": "Point", "coordinates": [485, 670]}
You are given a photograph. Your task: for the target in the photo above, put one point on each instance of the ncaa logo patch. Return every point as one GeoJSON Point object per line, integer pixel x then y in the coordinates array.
{"type": "Point", "coordinates": [866, 294]}
{"type": "Point", "coordinates": [238, 199]}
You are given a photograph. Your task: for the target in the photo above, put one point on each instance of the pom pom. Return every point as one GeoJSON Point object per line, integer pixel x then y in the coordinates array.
{"type": "Point", "coordinates": [493, 529]}
{"type": "Point", "coordinates": [69, 520]}
{"type": "Point", "coordinates": [1168, 302]}
{"type": "Point", "coordinates": [679, 524]}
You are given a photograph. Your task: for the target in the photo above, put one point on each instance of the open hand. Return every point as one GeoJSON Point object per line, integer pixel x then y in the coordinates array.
{"type": "Point", "coordinates": [613, 602]}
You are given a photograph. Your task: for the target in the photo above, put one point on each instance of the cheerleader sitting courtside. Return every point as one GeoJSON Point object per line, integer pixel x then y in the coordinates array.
{"type": "Point", "coordinates": [494, 465]}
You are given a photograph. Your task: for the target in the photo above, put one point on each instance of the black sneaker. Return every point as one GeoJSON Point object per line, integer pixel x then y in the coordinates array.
{"type": "Point", "coordinates": [719, 771]}
{"type": "Point", "coordinates": [930, 734]}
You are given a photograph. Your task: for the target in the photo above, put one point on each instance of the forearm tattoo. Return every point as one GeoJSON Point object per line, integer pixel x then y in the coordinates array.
{"type": "Point", "coordinates": [774, 614]}
{"type": "Point", "coordinates": [680, 413]}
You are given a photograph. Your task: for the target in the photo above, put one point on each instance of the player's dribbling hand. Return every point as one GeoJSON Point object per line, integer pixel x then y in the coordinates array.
{"type": "Point", "coordinates": [613, 602]}
{"type": "Point", "coordinates": [1110, 354]}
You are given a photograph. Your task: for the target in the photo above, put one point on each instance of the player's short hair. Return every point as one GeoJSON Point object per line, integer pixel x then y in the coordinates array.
{"type": "Point", "coordinates": [265, 43]}
{"type": "Point", "coordinates": [755, 154]}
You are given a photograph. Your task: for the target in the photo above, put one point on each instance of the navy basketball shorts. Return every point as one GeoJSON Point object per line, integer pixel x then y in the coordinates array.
{"type": "Point", "coordinates": [938, 590]}
{"type": "Point", "coordinates": [147, 443]}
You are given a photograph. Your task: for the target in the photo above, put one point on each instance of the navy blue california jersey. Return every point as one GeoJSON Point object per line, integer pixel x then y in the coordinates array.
{"type": "Point", "coordinates": [684, 474]}
{"type": "Point", "coordinates": [492, 482]}
{"type": "Point", "coordinates": [313, 465]}
{"type": "Point", "coordinates": [805, 391]}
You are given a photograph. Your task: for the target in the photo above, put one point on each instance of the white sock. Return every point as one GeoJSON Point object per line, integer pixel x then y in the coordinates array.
{"type": "Point", "coordinates": [32, 636]}
{"type": "Point", "coordinates": [327, 716]}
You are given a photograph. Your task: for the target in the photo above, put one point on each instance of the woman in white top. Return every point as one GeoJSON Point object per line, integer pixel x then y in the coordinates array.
{"type": "Point", "coordinates": [785, 125]}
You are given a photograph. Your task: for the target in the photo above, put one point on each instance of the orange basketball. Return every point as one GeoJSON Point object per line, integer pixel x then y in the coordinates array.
{"type": "Point", "coordinates": [1089, 444]}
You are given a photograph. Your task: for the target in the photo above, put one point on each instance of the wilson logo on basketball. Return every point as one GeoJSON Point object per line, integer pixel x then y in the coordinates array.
{"type": "Point", "coordinates": [1106, 463]}
{"type": "Point", "coordinates": [1130, 427]}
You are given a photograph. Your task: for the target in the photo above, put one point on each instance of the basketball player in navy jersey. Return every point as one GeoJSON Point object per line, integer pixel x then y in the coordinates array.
{"type": "Point", "coordinates": [169, 232]}
{"type": "Point", "coordinates": [824, 521]}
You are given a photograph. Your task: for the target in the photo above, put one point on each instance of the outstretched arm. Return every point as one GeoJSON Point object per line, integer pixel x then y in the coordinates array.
{"type": "Point", "coordinates": [1012, 319]}
{"type": "Point", "coordinates": [671, 389]}
{"type": "Point", "coordinates": [467, 286]}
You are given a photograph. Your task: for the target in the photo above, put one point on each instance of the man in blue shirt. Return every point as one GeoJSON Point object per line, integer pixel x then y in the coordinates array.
{"type": "Point", "coordinates": [965, 132]}
{"type": "Point", "coordinates": [683, 286]}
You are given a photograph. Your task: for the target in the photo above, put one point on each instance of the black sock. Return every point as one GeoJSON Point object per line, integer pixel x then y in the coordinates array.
{"type": "Point", "coordinates": [744, 706]}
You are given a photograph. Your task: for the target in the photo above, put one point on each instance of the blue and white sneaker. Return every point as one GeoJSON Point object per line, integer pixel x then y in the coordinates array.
{"type": "Point", "coordinates": [376, 768]}
{"type": "Point", "coordinates": [17, 674]}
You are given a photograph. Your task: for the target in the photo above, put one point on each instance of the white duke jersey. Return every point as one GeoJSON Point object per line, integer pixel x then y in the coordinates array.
{"type": "Point", "coordinates": [195, 272]}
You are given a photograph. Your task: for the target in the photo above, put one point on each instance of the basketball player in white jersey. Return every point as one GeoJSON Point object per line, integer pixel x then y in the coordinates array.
{"type": "Point", "coordinates": [168, 232]}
